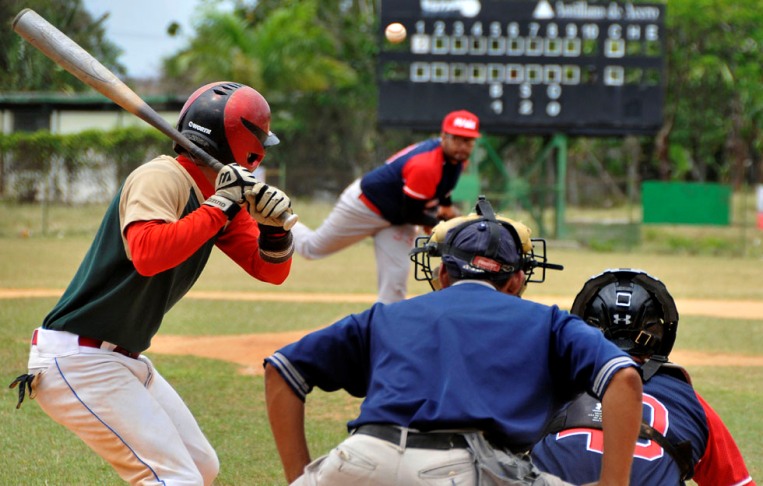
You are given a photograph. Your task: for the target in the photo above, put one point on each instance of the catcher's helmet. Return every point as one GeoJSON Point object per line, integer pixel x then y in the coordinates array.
{"type": "Point", "coordinates": [480, 246]}
{"type": "Point", "coordinates": [633, 309]}
{"type": "Point", "coordinates": [229, 121]}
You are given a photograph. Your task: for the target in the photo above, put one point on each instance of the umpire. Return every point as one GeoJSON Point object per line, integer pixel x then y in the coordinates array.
{"type": "Point", "coordinates": [458, 383]}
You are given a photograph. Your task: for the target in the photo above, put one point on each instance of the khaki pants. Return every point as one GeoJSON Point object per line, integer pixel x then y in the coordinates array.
{"type": "Point", "coordinates": [365, 460]}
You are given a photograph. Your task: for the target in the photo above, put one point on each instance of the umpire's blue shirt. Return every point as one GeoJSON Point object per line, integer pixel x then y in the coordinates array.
{"type": "Point", "coordinates": [466, 356]}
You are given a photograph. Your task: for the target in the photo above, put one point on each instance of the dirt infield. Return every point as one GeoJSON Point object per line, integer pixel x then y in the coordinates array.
{"type": "Point", "coordinates": [248, 351]}
{"type": "Point", "coordinates": [727, 309]}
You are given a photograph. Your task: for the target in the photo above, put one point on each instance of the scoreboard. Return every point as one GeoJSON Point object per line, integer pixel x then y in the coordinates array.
{"type": "Point", "coordinates": [530, 67]}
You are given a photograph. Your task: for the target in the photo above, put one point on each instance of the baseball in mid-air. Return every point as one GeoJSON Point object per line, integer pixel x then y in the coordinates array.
{"type": "Point", "coordinates": [395, 32]}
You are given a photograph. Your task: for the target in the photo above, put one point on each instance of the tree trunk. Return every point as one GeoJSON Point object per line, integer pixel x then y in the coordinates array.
{"type": "Point", "coordinates": [661, 149]}
{"type": "Point", "coordinates": [736, 148]}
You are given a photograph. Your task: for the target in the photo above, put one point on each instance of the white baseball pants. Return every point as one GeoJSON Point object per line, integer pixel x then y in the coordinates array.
{"type": "Point", "coordinates": [349, 222]}
{"type": "Point", "coordinates": [123, 409]}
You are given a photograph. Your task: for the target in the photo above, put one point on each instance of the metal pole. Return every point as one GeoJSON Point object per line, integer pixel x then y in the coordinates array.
{"type": "Point", "coordinates": [560, 141]}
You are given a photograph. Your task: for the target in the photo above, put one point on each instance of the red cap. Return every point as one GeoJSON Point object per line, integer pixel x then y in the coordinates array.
{"type": "Point", "coordinates": [462, 123]}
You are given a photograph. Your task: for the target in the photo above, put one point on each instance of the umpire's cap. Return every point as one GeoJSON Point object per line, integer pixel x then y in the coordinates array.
{"type": "Point", "coordinates": [484, 249]}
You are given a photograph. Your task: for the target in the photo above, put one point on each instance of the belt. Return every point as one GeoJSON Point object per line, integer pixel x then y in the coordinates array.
{"type": "Point", "coordinates": [415, 440]}
{"type": "Point", "coordinates": [97, 343]}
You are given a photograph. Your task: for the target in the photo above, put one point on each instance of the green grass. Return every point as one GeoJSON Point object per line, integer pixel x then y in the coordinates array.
{"type": "Point", "coordinates": [230, 406]}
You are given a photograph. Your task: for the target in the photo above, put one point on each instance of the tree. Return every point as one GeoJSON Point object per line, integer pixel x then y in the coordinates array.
{"type": "Point", "coordinates": [314, 62]}
{"type": "Point", "coordinates": [23, 68]}
{"type": "Point", "coordinates": [714, 105]}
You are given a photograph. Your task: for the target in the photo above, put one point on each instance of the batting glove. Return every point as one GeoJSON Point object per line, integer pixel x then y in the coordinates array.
{"type": "Point", "coordinates": [267, 203]}
{"type": "Point", "coordinates": [231, 182]}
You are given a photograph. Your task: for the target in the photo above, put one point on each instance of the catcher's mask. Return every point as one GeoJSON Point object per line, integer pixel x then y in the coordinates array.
{"type": "Point", "coordinates": [229, 121]}
{"type": "Point", "coordinates": [480, 246]}
{"type": "Point", "coordinates": [633, 309]}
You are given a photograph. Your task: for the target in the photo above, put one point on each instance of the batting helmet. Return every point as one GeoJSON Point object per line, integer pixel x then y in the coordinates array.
{"type": "Point", "coordinates": [633, 309]}
{"type": "Point", "coordinates": [230, 121]}
{"type": "Point", "coordinates": [492, 250]}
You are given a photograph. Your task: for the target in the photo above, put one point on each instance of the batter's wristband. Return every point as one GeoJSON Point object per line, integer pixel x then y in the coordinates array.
{"type": "Point", "coordinates": [230, 208]}
{"type": "Point", "coordinates": [276, 249]}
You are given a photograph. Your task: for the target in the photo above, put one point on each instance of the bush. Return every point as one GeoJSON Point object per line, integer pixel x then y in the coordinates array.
{"type": "Point", "coordinates": [42, 166]}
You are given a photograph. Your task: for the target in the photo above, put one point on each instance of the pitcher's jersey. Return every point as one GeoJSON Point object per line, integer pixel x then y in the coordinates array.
{"type": "Point", "coordinates": [673, 408]}
{"type": "Point", "coordinates": [419, 171]}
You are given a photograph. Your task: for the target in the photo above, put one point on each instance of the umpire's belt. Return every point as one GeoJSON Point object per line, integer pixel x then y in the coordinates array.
{"type": "Point", "coordinates": [418, 440]}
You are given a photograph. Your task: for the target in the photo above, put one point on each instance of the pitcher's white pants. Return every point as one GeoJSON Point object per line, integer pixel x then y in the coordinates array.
{"type": "Point", "coordinates": [348, 223]}
{"type": "Point", "coordinates": [123, 409]}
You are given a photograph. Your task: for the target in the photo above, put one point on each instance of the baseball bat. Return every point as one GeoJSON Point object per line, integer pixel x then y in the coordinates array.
{"type": "Point", "coordinates": [71, 56]}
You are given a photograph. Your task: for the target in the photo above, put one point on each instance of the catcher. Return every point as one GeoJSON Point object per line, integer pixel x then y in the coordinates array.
{"type": "Point", "coordinates": [457, 383]}
{"type": "Point", "coordinates": [86, 369]}
{"type": "Point", "coordinates": [682, 437]}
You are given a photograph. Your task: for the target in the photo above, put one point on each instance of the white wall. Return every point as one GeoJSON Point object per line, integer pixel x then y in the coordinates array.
{"type": "Point", "coordinates": [70, 121]}
{"type": "Point", "coordinates": [66, 122]}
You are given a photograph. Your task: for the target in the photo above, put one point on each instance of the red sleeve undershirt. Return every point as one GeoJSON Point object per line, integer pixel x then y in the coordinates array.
{"type": "Point", "coordinates": [156, 246]}
{"type": "Point", "coordinates": [722, 464]}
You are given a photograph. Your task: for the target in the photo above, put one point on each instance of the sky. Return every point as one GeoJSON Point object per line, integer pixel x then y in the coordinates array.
{"type": "Point", "coordinates": [139, 28]}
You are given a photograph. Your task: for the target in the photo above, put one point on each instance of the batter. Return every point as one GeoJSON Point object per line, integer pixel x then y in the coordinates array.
{"type": "Point", "coordinates": [86, 369]}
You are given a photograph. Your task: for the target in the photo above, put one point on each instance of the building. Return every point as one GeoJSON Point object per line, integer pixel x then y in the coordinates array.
{"type": "Point", "coordinates": [72, 113]}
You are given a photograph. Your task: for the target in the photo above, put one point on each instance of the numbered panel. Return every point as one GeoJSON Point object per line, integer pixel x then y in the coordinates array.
{"type": "Point", "coordinates": [537, 67]}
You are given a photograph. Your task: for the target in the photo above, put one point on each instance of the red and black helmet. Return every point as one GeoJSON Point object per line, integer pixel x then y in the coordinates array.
{"type": "Point", "coordinates": [229, 121]}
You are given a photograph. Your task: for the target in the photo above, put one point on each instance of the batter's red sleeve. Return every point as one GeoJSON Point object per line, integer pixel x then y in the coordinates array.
{"type": "Point", "coordinates": [156, 246]}
{"type": "Point", "coordinates": [240, 243]}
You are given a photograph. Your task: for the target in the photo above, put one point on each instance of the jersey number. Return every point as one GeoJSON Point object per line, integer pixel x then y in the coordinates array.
{"type": "Point", "coordinates": [645, 449]}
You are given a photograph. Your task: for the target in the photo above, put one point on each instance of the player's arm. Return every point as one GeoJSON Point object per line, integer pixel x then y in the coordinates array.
{"type": "Point", "coordinates": [264, 252]}
{"type": "Point", "coordinates": [286, 413]}
{"type": "Point", "coordinates": [621, 419]}
{"type": "Point", "coordinates": [420, 178]}
{"type": "Point", "coordinates": [156, 246]}
{"type": "Point", "coordinates": [722, 464]}
{"type": "Point", "coordinates": [414, 212]}
{"type": "Point", "coordinates": [447, 212]}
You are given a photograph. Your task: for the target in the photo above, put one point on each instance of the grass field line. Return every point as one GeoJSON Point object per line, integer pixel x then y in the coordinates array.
{"type": "Point", "coordinates": [727, 309]}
